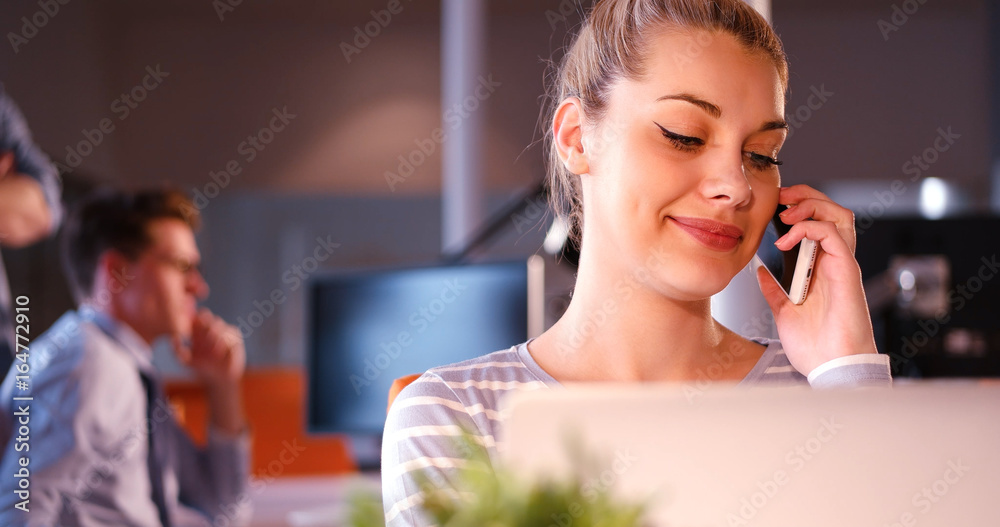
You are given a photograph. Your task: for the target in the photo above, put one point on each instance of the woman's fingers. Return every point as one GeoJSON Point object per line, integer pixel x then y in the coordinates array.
{"type": "Point", "coordinates": [797, 193]}
{"type": "Point", "coordinates": [808, 203]}
{"type": "Point", "coordinates": [817, 209]}
{"type": "Point", "coordinates": [773, 293]}
{"type": "Point", "coordinates": [823, 232]}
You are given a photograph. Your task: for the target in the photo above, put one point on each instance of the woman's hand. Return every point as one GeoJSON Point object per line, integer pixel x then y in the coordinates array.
{"type": "Point", "coordinates": [834, 320]}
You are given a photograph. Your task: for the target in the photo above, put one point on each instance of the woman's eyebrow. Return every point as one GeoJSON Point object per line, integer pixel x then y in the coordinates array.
{"type": "Point", "coordinates": [778, 124]}
{"type": "Point", "coordinates": [716, 112]}
{"type": "Point", "coordinates": [712, 109]}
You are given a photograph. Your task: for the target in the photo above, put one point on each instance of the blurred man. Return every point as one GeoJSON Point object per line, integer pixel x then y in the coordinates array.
{"type": "Point", "coordinates": [29, 205]}
{"type": "Point", "coordinates": [133, 265]}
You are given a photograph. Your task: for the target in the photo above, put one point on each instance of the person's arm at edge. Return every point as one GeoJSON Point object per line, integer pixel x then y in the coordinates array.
{"type": "Point", "coordinates": [24, 213]}
{"type": "Point", "coordinates": [30, 207]}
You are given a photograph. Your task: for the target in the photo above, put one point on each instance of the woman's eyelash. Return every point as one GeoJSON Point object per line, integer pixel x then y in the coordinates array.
{"type": "Point", "coordinates": [761, 159]}
{"type": "Point", "coordinates": [681, 142]}
{"type": "Point", "coordinates": [685, 143]}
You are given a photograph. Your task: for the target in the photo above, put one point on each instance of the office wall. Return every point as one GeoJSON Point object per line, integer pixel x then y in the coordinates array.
{"type": "Point", "coordinates": [324, 172]}
{"type": "Point", "coordinates": [223, 80]}
{"type": "Point", "coordinates": [889, 97]}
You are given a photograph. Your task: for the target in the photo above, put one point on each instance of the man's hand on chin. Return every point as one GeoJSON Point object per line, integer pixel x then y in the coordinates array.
{"type": "Point", "coordinates": [218, 358]}
{"type": "Point", "coordinates": [216, 351]}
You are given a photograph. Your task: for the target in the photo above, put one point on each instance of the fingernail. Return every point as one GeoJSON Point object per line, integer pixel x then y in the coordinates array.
{"type": "Point", "coordinates": [786, 211]}
{"type": "Point", "coordinates": [779, 240]}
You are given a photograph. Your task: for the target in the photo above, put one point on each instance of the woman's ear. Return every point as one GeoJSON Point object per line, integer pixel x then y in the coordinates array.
{"type": "Point", "coordinates": [567, 128]}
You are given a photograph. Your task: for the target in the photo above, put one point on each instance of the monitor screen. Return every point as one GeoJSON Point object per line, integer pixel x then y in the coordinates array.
{"type": "Point", "coordinates": [369, 328]}
{"type": "Point", "coordinates": [939, 316]}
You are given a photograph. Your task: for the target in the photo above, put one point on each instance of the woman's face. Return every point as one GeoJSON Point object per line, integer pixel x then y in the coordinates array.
{"type": "Point", "coordinates": [681, 163]}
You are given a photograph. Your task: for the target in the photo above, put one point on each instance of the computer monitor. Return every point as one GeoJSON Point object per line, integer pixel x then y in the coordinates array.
{"type": "Point", "coordinates": [369, 327]}
{"type": "Point", "coordinates": [942, 298]}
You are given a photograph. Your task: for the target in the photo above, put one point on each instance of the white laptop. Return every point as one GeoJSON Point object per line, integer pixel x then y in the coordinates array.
{"type": "Point", "coordinates": [915, 455]}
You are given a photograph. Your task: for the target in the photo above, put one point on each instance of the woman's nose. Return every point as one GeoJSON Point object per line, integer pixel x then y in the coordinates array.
{"type": "Point", "coordinates": [727, 182]}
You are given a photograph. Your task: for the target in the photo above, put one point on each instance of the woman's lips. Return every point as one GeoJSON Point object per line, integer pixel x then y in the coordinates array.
{"type": "Point", "coordinates": [712, 234]}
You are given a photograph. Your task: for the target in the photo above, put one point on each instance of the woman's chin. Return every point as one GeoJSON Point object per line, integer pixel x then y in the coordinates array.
{"type": "Point", "coordinates": [699, 284]}
{"type": "Point", "coordinates": [693, 295]}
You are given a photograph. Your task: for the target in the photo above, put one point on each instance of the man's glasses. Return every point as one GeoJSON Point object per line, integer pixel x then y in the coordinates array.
{"type": "Point", "coordinates": [183, 265]}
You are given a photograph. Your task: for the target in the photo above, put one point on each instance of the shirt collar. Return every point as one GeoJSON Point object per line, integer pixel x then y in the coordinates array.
{"type": "Point", "coordinates": [124, 334]}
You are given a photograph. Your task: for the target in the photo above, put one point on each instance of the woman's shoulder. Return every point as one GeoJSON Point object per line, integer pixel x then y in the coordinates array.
{"type": "Point", "coordinates": [481, 380]}
{"type": "Point", "coordinates": [427, 417]}
{"type": "Point", "coordinates": [506, 365]}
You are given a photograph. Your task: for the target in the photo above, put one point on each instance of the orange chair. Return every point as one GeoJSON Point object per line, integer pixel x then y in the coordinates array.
{"type": "Point", "coordinates": [275, 408]}
{"type": "Point", "coordinates": [398, 385]}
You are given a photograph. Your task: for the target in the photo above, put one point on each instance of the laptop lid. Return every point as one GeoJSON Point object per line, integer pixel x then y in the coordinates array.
{"type": "Point", "coordinates": [924, 454]}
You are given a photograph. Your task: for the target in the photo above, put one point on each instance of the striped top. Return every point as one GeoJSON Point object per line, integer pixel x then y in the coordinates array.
{"type": "Point", "coordinates": [429, 415]}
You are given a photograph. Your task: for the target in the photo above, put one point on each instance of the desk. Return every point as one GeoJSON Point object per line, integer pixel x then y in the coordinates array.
{"type": "Point", "coordinates": [309, 501]}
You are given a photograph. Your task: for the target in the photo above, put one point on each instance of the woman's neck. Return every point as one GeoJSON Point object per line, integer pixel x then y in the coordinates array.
{"type": "Point", "coordinates": [617, 328]}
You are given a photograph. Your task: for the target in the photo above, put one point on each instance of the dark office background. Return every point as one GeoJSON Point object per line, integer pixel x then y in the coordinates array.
{"type": "Point", "coordinates": [324, 174]}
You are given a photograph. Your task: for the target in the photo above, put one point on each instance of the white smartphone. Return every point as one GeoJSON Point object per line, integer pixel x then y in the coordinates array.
{"type": "Point", "coordinates": [792, 269]}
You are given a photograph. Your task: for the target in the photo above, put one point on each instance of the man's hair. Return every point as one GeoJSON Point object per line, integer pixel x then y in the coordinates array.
{"type": "Point", "coordinates": [116, 220]}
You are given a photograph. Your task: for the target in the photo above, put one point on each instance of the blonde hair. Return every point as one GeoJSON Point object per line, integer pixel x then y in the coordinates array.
{"type": "Point", "coordinates": [611, 46]}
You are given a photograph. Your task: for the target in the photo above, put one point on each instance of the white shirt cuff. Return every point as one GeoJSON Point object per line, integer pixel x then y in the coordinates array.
{"type": "Point", "coordinates": [861, 358]}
